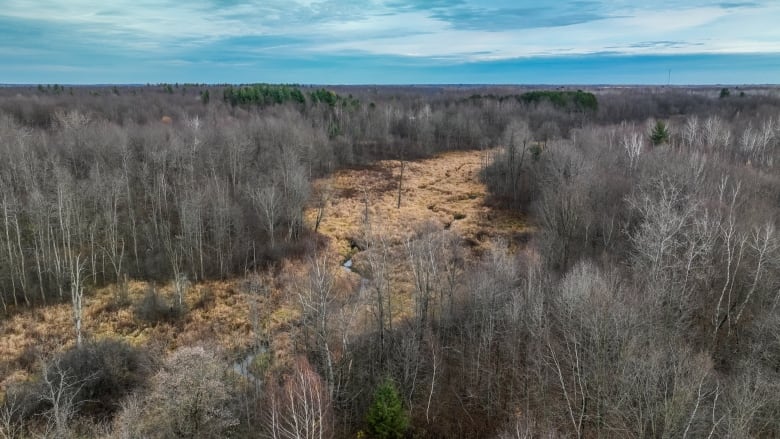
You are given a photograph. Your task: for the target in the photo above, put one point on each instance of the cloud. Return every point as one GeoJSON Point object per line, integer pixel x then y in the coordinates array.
{"type": "Point", "coordinates": [736, 5]}
{"type": "Point", "coordinates": [498, 28]}
{"type": "Point", "coordinates": [270, 34]}
{"type": "Point", "coordinates": [660, 44]}
{"type": "Point", "coordinates": [496, 17]}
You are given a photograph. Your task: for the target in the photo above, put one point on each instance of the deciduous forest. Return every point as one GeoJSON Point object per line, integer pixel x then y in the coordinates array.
{"type": "Point", "coordinates": [292, 261]}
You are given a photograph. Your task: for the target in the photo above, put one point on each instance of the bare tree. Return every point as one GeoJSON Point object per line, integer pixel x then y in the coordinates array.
{"type": "Point", "coordinates": [237, 151]}
{"type": "Point", "coordinates": [13, 246]}
{"type": "Point", "coordinates": [189, 397]}
{"type": "Point", "coordinates": [301, 407]}
{"type": "Point", "coordinates": [690, 132]}
{"type": "Point", "coordinates": [294, 186]}
{"type": "Point", "coordinates": [60, 390]}
{"type": "Point", "coordinates": [632, 144]}
{"type": "Point", "coordinates": [423, 253]}
{"type": "Point", "coordinates": [267, 202]}
{"type": "Point", "coordinates": [297, 193]}
{"type": "Point", "coordinates": [322, 197]}
{"type": "Point", "coordinates": [765, 246]}
{"type": "Point", "coordinates": [317, 296]}
{"type": "Point", "coordinates": [128, 423]}
{"type": "Point", "coordinates": [377, 256]}
{"type": "Point", "coordinates": [192, 232]}
{"type": "Point", "coordinates": [222, 217]}
{"type": "Point", "coordinates": [716, 135]}
{"type": "Point", "coordinates": [173, 249]}
{"type": "Point", "coordinates": [666, 212]}
{"type": "Point", "coordinates": [517, 139]}
{"type": "Point", "coordinates": [11, 416]}
{"type": "Point", "coordinates": [400, 182]}
{"type": "Point", "coordinates": [77, 279]}
{"type": "Point", "coordinates": [114, 247]}
{"type": "Point", "coordinates": [734, 242]}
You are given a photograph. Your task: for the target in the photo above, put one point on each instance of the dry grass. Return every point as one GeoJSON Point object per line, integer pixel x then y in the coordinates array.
{"type": "Point", "coordinates": [223, 319]}
{"type": "Point", "coordinates": [444, 190]}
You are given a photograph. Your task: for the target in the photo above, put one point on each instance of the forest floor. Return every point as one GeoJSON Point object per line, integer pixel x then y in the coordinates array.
{"type": "Point", "coordinates": [444, 191]}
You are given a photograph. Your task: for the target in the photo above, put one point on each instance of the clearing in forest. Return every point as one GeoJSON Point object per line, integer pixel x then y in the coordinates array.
{"type": "Point", "coordinates": [445, 190]}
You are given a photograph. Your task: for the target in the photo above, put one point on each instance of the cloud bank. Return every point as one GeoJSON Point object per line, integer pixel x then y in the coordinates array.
{"type": "Point", "coordinates": [373, 41]}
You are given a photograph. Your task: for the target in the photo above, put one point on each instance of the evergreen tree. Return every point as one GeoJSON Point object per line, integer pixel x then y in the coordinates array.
{"type": "Point", "coordinates": [386, 417]}
{"type": "Point", "coordinates": [660, 133]}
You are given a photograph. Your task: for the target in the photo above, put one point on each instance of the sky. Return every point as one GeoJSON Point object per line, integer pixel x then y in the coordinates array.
{"type": "Point", "coordinates": [390, 41]}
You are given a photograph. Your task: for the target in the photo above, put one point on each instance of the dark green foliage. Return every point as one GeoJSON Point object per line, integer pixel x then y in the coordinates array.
{"type": "Point", "coordinates": [660, 133]}
{"type": "Point", "coordinates": [205, 97]}
{"type": "Point", "coordinates": [263, 95]}
{"type": "Point", "coordinates": [333, 130]}
{"type": "Point", "coordinates": [565, 100]}
{"type": "Point", "coordinates": [324, 96]}
{"type": "Point", "coordinates": [536, 151]}
{"type": "Point", "coordinates": [724, 93]}
{"type": "Point", "coordinates": [573, 100]}
{"type": "Point", "coordinates": [386, 417]}
{"type": "Point", "coordinates": [267, 94]}
{"type": "Point", "coordinates": [332, 99]}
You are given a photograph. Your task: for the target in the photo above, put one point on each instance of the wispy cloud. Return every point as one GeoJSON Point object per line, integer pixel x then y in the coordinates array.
{"type": "Point", "coordinates": [81, 33]}
{"type": "Point", "coordinates": [497, 17]}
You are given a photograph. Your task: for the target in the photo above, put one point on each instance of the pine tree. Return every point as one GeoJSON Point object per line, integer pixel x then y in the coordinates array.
{"type": "Point", "coordinates": [386, 417]}
{"type": "Point", "coordinates": [660, 133]}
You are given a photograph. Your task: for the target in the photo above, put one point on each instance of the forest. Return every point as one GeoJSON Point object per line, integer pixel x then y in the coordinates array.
{"type": "Point", "coordinates": [296, 261]}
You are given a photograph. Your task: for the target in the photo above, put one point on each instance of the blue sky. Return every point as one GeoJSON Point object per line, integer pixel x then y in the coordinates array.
{"type": "Point", "coordinates": [390, 41]}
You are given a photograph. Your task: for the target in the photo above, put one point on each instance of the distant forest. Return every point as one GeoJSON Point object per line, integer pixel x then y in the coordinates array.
{"type": "Point", "coordinates": [644, 303]}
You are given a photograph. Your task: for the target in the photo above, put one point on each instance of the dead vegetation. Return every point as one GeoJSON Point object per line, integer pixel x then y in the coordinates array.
{"type": "Point", "coordinates": [445, 190]}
